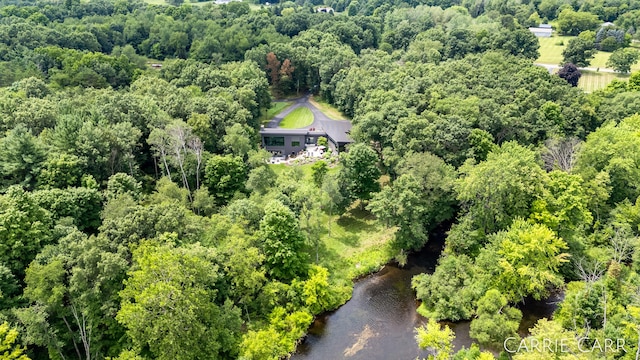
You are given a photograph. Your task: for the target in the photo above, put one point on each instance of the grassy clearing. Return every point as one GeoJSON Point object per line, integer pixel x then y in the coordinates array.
{"type": "Point", "coordinates": [351, 245]}
{"type": "Point", "coordinates": [328, 109]}
{"type": "Point", "coordinates": [551, 50]}
{"type": "Point", "coordinates": [551, 53]}
{"type": "Point", "coordinates": [592, 81]}
{"type": "Point", "coordinates": [298, 118]}
{"type": "Point", "coordinates": [275, 109]}
{"type": "Point", "coordinates": [194, 3]}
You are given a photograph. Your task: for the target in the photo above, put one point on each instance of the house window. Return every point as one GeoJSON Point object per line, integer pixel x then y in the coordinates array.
{"type": "Point", "coordinates": [274, 140]}
{"type": "Point", "coordinates": [295, 141]}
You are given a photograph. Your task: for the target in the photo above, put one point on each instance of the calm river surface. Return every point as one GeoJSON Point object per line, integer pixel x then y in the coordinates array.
{"type": "Point", "coordinates": [378, 321]}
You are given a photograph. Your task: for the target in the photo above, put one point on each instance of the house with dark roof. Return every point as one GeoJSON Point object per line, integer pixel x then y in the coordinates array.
{"type": "Point", "coordinates": [287, 142]}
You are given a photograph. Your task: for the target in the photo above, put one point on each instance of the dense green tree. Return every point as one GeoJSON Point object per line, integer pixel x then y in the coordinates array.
{"type": "Point", "coordinates": [9, 349]}
{"type": "Point", "coordinates": [501, 188]}
{"type": "Point", "coordinates": [574, 22]}
{"type": "Point", "coordinates": [225, 175]}
{"type": "Point", "coordinates": [418, 200]}
{"type": "Point", "coordinates": [282, 243]}
{"type": "Point", "coordinates": [438, 339]}
{"type": "Point", "coordinates": [524, 261]}
{"type": "Point", "coordinates": [495, 321]}
{"type": "Point", "coordinates": [621, 60]}
{"type": "Point", "coordinates": [359, 173]}
{"type": "Point", "coordinates": [21, 155]}
{"type": "Point", "coordinates": [72, 289]}
{"type": "Point", "coordinates": [81, 204]}
{"type": "Point", "coordinates": [451, 291]}
{"type": "Point", "coordinates": [25, 228]}
{"type": "Point", "coordinates": [610, 150]}
{"type": "Point", "coordinates": [579, 52]}
{"type": "Point", "coordinates": [169, 305]}
{"type": "Point", "coordinates": [318, 172]}
{"type": "Point", "coordinates": [238, 140]}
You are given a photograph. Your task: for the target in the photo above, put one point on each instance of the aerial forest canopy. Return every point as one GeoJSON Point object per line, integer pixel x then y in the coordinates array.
{"type": "Point", "coordinates": [141, 219]}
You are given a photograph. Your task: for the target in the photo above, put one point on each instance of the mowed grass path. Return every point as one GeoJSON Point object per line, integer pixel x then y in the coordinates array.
{"type": "Point", "coordinates": [298, 118]}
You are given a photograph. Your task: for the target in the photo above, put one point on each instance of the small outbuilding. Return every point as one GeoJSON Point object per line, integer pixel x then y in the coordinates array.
{"type": "Point", "coordinates": [544, 30]}
{"type": "Point", "coordinates": [328, 10]}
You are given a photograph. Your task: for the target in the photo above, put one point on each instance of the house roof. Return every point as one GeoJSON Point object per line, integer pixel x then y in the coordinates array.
{"type": "Point", "coordinates": [337, 130]}
{"type": "Point", "coordinates": [281, 131]}
{"type": "Point", "coordinates": [540, 30]}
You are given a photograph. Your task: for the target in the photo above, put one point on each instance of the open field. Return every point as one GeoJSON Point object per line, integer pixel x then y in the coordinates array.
{"type": "Point", "coordinates": [298, 118]}
{"type": "Point", "coordinates": [275, 109]}
{"type": "Point", "coordinates": [592, 81]}
{"type": "Point", "coordinates": [328, 109]}
{"type": "Point", "coordinates": [551, 53]}
{"type": "Point", "coordinates": [194, 3]}
{"type": "Point", "coordinates": [551, 50]}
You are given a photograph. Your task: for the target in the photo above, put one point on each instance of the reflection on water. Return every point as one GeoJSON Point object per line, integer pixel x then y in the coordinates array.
{"type": "Point", "coordinates": [379, 320]}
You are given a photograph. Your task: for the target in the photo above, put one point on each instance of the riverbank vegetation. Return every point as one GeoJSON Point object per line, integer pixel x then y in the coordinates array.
{"type": "Point", "coordinates": [139, 218]}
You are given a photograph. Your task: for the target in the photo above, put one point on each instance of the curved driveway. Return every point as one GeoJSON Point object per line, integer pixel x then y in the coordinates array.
{"type": "Point", "coordinates": [318, 116]}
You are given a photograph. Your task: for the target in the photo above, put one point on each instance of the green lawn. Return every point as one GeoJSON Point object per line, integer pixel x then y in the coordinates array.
{"type": "Point", "coordinates": [351, 245]}
{"type": "Point", "coordinates": [275, 109]}
{"type": "Point", "coordinates": [551, 50]}
{"type": "Point", "coordinates": [551, 53]}
{"type": "Point", "coordinates": [591, 81]}
{"type": "Point", "coordinates": [194, 3]}
{"type": "Point", "coordinates": [328, 109]}
{"type": "Point", "coordinates": [298, 118]}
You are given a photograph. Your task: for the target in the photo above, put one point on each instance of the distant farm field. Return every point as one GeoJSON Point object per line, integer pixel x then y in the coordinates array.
{"type": "Point", "coordinates": [592, 81]}
{"type": "Point", "coordinates": [551, 53]}
{"type": "Point", "coordinates": [551, 49]}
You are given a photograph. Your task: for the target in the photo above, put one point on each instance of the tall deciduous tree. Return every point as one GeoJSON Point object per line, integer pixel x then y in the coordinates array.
{"type": "Point", "coordinates": [436, 338]}
{"type": "Point", "coordinates": [621, 60]}
{"type": "Point", "coordinates": [570, 73]}
{"type": "Point", "coordinates": [495, 321]}
{"type": "Point", "coordinates": [501, 188]}
{"type": "Point", "coordinates": [524, 261]}
{"type": "Point", "coordinates": [359, 173]}
{"type": "Point", "coordinates": [169, 304]}
{"type": "Point", "coordinates": [579, 51]}
{"type": "Point", "coordinates": [282, 242]}
{"type": "Point", "coordinates": [20, 157]}
{"type": "Point", "coordinates": [25, 228]}
{"type": "Point", "coordinates": [224, 175]}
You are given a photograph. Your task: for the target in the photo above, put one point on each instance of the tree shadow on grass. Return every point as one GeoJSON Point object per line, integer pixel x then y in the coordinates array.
{"type": "Point", "coordinates": [356, 220]}
{"type": "Point", "coordinates": [325, 255]}
{"type": "Point", "coordinates": [349, 239]}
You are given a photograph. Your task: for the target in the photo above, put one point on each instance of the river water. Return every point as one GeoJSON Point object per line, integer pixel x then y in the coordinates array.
{"type": "Point", "coordinates": [378, 321]}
